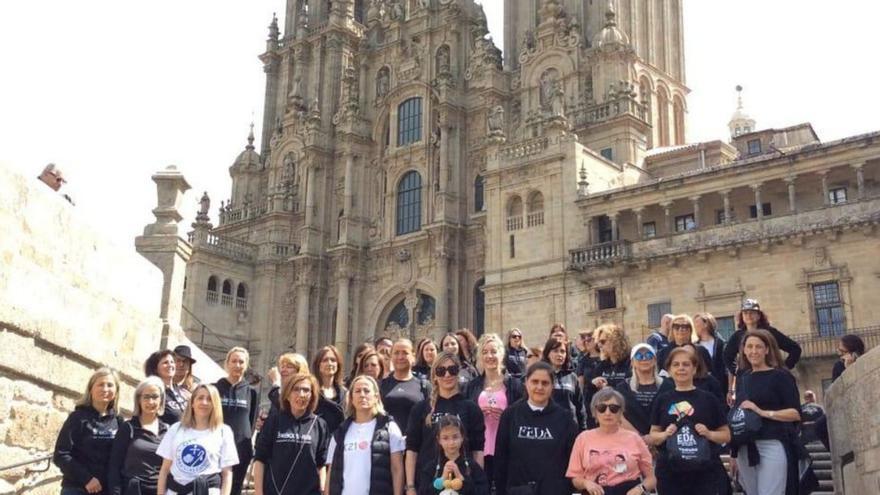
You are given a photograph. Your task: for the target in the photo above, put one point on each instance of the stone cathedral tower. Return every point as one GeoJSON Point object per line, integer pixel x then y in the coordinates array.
{"type": "Point", "coordinates": [385, 173]}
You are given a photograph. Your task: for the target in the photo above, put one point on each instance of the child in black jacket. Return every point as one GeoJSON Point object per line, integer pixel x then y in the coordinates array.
{"type": "Point", "coordinates": [454, 468]}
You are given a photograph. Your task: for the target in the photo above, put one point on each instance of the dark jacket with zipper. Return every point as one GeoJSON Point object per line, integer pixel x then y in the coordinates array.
{"type": "Point", "coordinates": [534, 447]}
{"type": "Point", "coordinates": [82, 450]}
{"type": "Point", "coordinates": [380, 459]}
{"type": "Point", "coordinates": [567, 394]}
{"type": "Point", "coordinates": [513, 388]}
{"type": "Point", "coordinates": [515, 361]}
{"type": "Point", "coordinates": [332, 411]}
{"type": "Point", "coordinates": [134, 457]}
{"type": "Point", "coordinates": [240, 408]}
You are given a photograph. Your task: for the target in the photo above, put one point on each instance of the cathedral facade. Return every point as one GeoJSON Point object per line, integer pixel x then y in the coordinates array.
{"type": "Point", "coordinates": [410, 180]}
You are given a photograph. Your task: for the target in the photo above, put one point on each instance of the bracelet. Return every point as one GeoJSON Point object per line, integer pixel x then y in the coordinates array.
{"type": "Point", "coordinates": [410, 487]}
{"type": "Point", "coordinates": [644, 490]}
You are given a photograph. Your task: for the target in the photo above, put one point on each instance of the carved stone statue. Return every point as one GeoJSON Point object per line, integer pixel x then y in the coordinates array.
{"type": "Point", "coordinates": [547, 87]}
{"type": "Point", "coordinates": [397, 11]}
{"type": "Point", "coordinates": [443, 63]}
{"type": "Point", "coordinates": [383, 82]}
{"type": "Point", "coordinates": [557, 102]}
{"type": "Point", "coordinates": [289, 167]}
{"type": "Point", "coordinates": [495, 120]}
{"type": "Point", "coordinates": [296, 89]}
{"type": "Point", "coordinates": [204, 207]}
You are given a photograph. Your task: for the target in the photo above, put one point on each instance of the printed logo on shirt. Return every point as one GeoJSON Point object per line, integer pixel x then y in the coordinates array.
{"type": "Point", "coordinates": [228, 402]}
{"type": "Point", "coordinates": [192, 457]}
{"type": "Point", "coordinates": [685, 437]}
{"type": "Point", "coordinates": [534, 433]}
{"type": "Point", "coordinates": [287, 437]}
{"type": "Point", "coordinates": [607, 462]}
{"type": "Point", "coordinates": [101, 433]}
{"type": "Point", "coordinates": [355, 446]}
{"type": "Point", "coordinates": [681, 409]}
{"type": "Point", "coordinates": [438, 415]}
{"type": "Point", "coordinates": [569, 386]}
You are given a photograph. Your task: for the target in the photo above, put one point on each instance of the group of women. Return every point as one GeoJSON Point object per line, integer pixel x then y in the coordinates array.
{"type": "Point", "coordinates": [595, 416]}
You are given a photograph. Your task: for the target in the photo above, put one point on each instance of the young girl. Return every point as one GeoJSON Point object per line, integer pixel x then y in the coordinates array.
{"type": "Point", "coordinates": [199, 451]}
{"type": "Point", "coordinates": [454, 471]}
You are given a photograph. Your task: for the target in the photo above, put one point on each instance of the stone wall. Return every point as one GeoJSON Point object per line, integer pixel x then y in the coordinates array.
{"type": "Point", "coordinates": [854, 426]}
{"type": "Point", "coordinates": [70, 302]}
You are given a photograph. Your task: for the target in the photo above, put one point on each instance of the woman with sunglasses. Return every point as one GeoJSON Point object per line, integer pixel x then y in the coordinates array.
{"type": "Point", "coordinates": [451, 344]}
{"type": "Point", "coordinates": [535, 437]}
{"type": "Point", "coordinates": [688, 406]}
{"type": "Point", "coordinates": [446, 398]}
{"type": "Point", "coordinates": [614, 365]}
{"type": "Point", "coordinates": [590, 354]}
{"type": "Point", "coordinates": [566, 389]}
{"type": "Point", "coordinates": [515, 354]}
{"type": "Point", "coordinates": [610, 460]}
{"type": "Point", "coordinates": [640, 391]}
{"type": "Point", "coordinates": [681, 332]}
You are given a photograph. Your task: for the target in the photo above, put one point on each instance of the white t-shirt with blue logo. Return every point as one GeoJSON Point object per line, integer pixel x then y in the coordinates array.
{"type": "Point", "coordinates": [195, 453]}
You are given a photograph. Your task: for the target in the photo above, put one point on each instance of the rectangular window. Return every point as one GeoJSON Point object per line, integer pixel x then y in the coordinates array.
{"type": "Point", "coordinates": [409, 121]}
{"type": "Point", "coordinates": [512, 247]}
{"type": "Point", "coordinates": [656, 312]}
{"type": "Point", "coordinates": [604, 229]}
{"type": "Point", "coordinates": [606, 298]}
{"type": "Point", "coordinates": [754, 146]}
{"type": "Point", "coordinates": [726, 326]}
{"type": "Point", "coordinates": [765, 209]}
{"type": "Point", "coordinates": [683, 223]}
{"type": "Point", "coordinates": [608, 154]}
{"type": "Point", "coordinates": [830, 318]}
{"type": "Point", "coordinates": [649, 229]}
{"type": "Point", "coordinates": [837, 195]}
{"type": "Point", "coordinates": [719, 216]}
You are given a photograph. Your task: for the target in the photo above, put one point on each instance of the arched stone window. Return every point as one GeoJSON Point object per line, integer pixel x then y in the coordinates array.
{"type": "Point", "coordinates": [212, 297]}
{"type": "Point", "coordinates": [514, 213]}
{"type": "Point", "coordinates": [226, 296]}
{"type": "Point", "coordinates": [409, 121]}
{"type": "Point", "coordinates": [241, 296]}
{"type": "Point", "coordinates": [535, 210]}
{"type": "Point", "coordinates": [662, 117]}
{"type": "Point", "coordinates": [479, 185]}
{"type": "Point", "coordinates": [399, 318]}
{"type": "Point", "coordinates": [479, 307]}
{"type": "Point", "coordinates": [409, 203]}
{"type": "Point", "coordinates": [678, 115]}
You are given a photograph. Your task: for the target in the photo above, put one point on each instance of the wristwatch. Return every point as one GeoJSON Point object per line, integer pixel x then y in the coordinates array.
{"type": "Point", "coordinates": [644, 490]}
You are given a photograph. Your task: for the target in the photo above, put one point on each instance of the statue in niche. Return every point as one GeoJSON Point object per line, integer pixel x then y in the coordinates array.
{"type": "Point", "coordinates": [383, 82]}
{"type": "Point", "coordinates": [397, 11]}
{"type": "Point", "coordinates": [495, 120]}
{"type": "Point", "coordinates": [548, 84]}
{"type": "Point", "coordinates": [529, 42]}
{"type": "Point", "coordinates": [557, 102]}
{"type": "Point", "coordinates": [289, 168]}
{"type": "Point", "coordinates": [443, 63]}
{"type": "Point", "coordinates": [296, 90]}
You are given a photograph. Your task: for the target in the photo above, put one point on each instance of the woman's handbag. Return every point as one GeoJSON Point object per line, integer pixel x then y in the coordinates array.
{"type": "Point", "coordinates": [688, 451]}
{"type": "Point", "coordinates": [744, 424]}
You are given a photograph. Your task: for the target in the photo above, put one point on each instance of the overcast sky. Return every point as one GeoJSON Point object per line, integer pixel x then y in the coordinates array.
{"type": "Point", "coordinates": [113, 91]}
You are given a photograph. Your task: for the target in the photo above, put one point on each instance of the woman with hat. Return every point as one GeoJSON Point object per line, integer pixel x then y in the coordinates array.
{"type": "Point", "coordinates": [750, 318]}
{"type": "Point", "coordinates": [183, 373]}
{"type": "Point", "coordinates": [642, 388]}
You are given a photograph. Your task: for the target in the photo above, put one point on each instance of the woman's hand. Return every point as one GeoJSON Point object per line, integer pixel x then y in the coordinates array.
{"type": "Point", "coordinates": [670, 430]}
{"type": "Point", "coordinates": [702, 430]}
{"type": "Point", "coordinates": [731, 398]}
{"type": "Point", "coordinates": [93, 486]}
{"type": "Point", "coordinates": [848, 359]}
{"type": "Point", "coordinates": [592, 488]}
{"type": "Point", "coordinates": [750, 406]}
{"type": "Point", "coordinates": [273, 376]}
{"type": "Point", "coordinates": [599, 382]}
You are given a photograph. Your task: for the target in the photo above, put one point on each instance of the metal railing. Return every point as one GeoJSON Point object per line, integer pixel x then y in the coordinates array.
{"type": "Point", "coordinates": [814, 345]}
{"type": "Point", "coordinates": [605, 252]}
{"type": "Point", "coordinates": [47, 458]}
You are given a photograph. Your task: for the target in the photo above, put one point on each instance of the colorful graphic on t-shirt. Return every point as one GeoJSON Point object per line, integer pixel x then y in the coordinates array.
{"type": "Point", "coordinates": [681, 409]}
{"type": "Point", "coordinates": [193, 457]}
{"type": "Point", "coordinates": [605, 462]}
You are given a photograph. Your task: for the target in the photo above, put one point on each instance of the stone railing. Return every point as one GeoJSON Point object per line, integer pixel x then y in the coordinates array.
{"type": "Point", "coordinates": [600, 254]}
{"type": "Point", "coordinates": [525, 148]}
{"type": "Point", "coordinates": [232, 215]}
{"type": "Point", "coordinates": [608, 110]}
{"type": "Point", "coordinates": [230, 248]}
{"type": "Point", "coordinates": [278, 251]}
{"type": "Point", "coordinates": [816, 346]}
{"type": "Point", "coordinates": [756, 231]}
{"type": "Point", "coordinates": [535, 218]}
{"type": "Point", "coordinates": [514, 223]}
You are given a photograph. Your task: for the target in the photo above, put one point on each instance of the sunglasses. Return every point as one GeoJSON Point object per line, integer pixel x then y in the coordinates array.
{"type": "Point", "coordinates": [516, 336]}
{"type": "Point", "coordinates": [644, 356]}
{"type": "Point", "coordinates": [441, 371]}
{"type": "Point", "coordinates": [679, 326]}
{"type": "Point", "coordinates": [601, 408]}
{"type": "Point", "coordinates": [602, 342]}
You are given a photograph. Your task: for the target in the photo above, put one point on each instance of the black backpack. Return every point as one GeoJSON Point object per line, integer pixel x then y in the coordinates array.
{"type": "Point", "coordinates": [688, 451]}
{"type": "Point", "coordinates": [744, 424]}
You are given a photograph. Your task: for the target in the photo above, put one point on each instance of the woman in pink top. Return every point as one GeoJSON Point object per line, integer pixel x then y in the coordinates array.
{"type": "Point", "coordinates": [609, 460]}
{"type": "Point", "coordinates": [493, 390]}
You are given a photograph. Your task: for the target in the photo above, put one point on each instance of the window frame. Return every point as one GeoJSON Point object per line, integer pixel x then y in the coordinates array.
{"type": "Point", "coordinates": [766, 210]}
{"type": "Point", "coordinates": [685, 226]}
{"type": "Point", "coordinates": [409, 121]}
{"type": "Point", "coordinates": [408, 204]}
{"type": "Point", "coordinates": [607, 292]}
{"type": "Point", "coordinates": [750, 149]}
{"type": "Point", "coordinates": [830, 314]}
{"type": "Point", "coordinates": [833, 196]}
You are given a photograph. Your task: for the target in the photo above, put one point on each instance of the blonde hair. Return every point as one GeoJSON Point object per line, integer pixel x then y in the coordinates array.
{"type": "Point", "coordinates": [615, 339]}
{"type": "Point", "coordinates": [86, 399]}
{"type": "Point", "coordinates": [687, 319]}
{"type": "Point", "coordinates": [215, 420]}
{"type": "Point", "coordinates": [150, 381]}
{"type": "Point", "coordinates": [296, 360]}
{"type": "Point", "coordinates": [247, 355]}
{"type": "Point", "coordinates": [284, 399]}
{"type": "Point", "coordinates": [378, 408]}
{"type": "Point", "coordinates": [490, 338]}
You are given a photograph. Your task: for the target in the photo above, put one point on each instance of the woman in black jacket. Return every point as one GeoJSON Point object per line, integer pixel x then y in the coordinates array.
{"type": "Point", "coordinates": [613, 367]}
{"type": "Point", "coordinates": [683, 331]}
{"type": "Point", "coordinates": [516, 353]}
{"type": "Point", "coordinates": [240, 405]}
{"type": "Point", "coordinates": [134, 463]}
{"type": "Point", "coordinates": [367, 425]}
{"type": "Point", "coordinates": [163, 365]}
{"type": "Point", "coordinates": [535, 437]}
{"type": "Point", "coordinates": [566, 389]}
{"type": "Point", "coordinates": [331, 403]}
{"type": "Point", "coordinates": [82, 451]}
{"type": "Point", "coordinates": [641, 390]}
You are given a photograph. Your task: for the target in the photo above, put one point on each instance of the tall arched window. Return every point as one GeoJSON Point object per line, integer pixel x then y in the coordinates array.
{"type": "Point", "coordinates": [226, 296]}
{"type": "Point", "coordinates": [514, 213]}
{"type": "Point", "coordinates": [535, 215]}
{"type": "Point", "coordinates": [241, 295]}
{"type": "Point", "coordinates": [663, 117]}
{"type": "Point", "coordinates": [409, 203]}
{"type": "Point", "coordinates": [409, 121]}
{"type": "Point", "coordinates": [212, 297]}
{"type": "Point", "coordinates": [678, 115]}
{"type": "Point", "coordinates": [479, 307]}
{"type": "Point", "coordinates": [478, 193]}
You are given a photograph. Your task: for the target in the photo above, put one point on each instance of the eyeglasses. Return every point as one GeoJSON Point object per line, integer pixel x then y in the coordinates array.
{"type": "Point", "coordinates": [441, 371]}
{"type": "Point", "coordinates": [302, 390]}
{"type": "Point", "coordinates": [644, 356]}
{"type": "Point", "coordinates": [614, 408]}
{"type": "Point", "coordinates": [516, 336]}
{"type": "Point", "coordinates": [680, 326]}
{"type": "Point", "coordinates": [150, 396]}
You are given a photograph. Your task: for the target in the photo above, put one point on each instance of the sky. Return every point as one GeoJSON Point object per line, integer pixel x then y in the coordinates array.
{"type": "Point", "coordinates": [113, 91]}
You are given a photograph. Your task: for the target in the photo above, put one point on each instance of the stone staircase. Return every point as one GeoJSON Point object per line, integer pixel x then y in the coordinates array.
{"type": "Point", "coordinates": [821, 466]}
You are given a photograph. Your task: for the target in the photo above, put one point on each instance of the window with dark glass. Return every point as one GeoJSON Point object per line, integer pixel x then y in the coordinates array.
{"type": "Point", "coordinates": [725, 326]}
{"type": "Point", "coordinates": [409, 203]}
{"type": "Point", "coordinates": [479, 307]}
{"type": "Point", "coordinates": [754, 146]}
{"type": "Point", "coordinates": [409, 121]}
{"type": "Point", "coordinates": [830, 318]}
{"type": "Point", "coordinates": [656, 312]}
{"type": "Point", "coordinates": [607, 153]}
{"type": "Point", "coordinates": [604, 229]}
{"type": "Point", "coordinates": [359, 11]}
{"type": "Point", "coordinates": [478, 193]}
{"type": "Point", "coordinates": [837, 195]}
{"type": "Point", "coordinates": [683, 223]}
{"type": "Point", "coordinates": [649, 229]}
{"type": "Point", "coordinates": [766, 210]}
{"type": "Point", "coordinates": [512, 247]}
{"type": "Point", "coordinates": [606, 298]}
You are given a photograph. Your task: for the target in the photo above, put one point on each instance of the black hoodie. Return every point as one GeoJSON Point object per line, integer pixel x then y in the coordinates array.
{"type": "Point", "coordinates": [534, 446]}
{"type": "Point", "coordinates": [279, 442]}
{"type": "Point", "coordinates": [134, 457]}
{"type": "Point", "coordinates": [475, 480]}
{"type": "Point", "coordinates": [567, 395]}
{"type": "Point", "coordinates": [240, 407]}
{"type": "Point", "coordinates": [82, 451]}
{"type": "Point", "coordinates": [332, 411]}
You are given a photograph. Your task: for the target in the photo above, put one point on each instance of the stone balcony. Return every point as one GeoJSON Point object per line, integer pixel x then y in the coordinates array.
{"type": "Point", "coordinates": [818, 346]}
{"type": "Point", "coordinates": [229, 248]}
{"type": "Point", "coordinates": [762, 232]}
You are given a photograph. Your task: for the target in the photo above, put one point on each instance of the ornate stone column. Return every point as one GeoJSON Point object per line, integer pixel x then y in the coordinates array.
{"type": "Point", "coordinates": [303, 291]}
{"type": "Point", "coordinates": [667, 220]}
{"type": "Point", "coordinates": [792, 194]}
{"type": "Point", "coordinates": [696, 202]}
{"type": "Point", "coordinates": [860, 179]}
{"type": "Point", "coordinates": [342, 305]}
{"type": "Point", "coordinates": [614, 216]}
{"type": "Point", "coordinates": [725, 196]}
{"type": "Point", "coordinates": [759, 210]}
{"type": "Point", "coordinates": [442, 315]}
{"type": "Point", "coordinates": [823, 175]}
{"type": "Point", "coordinates": [640, 234]}
{"type": "Point", "coordinates": [590, 231]}
{"type": "Point", "coordinates": [310, 195]}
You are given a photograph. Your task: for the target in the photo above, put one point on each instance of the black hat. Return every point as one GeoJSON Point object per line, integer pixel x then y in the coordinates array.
{"type": "Point", "coordinates": [185, 352]}
{"type": "Point", "coordinates": [751, 305]}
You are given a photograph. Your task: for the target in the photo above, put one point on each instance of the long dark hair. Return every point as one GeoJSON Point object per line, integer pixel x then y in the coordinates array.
{"type": "Point", "coordinates": [355, 362]}
{"type": "Point", "coordinates": [451, 420]}
{"type": "Point", "coordinates": [763, 322]}
{"type": "Point", "coordinates": [551, 345]}
{"type": "Point", "coordinates": [420, 348]}
{"type": "Point", "coordinates": [853, 343]}
{"type": "Point", "coordinates": [461, 357]}
{"type": "Point", "coordinates": [774, 356]}
{"type": "Point", "coordinates": [316, 365]}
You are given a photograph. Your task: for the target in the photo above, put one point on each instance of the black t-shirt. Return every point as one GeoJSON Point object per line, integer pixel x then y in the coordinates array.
{"type": "Point", "coordinates": [770, 390]}
{"type": "Point", "coordinates": [694, 406]}
{"type": "Point", "coordinates": [811, 412]}
{"type": "Point", "coordinates": [645, 394]}
{"type": "Point", "coordinates": [586, 364]}
{"type": "Point", "coordinates": [279, 445]}
{"type": "Point", "coordinates": [399, 397]}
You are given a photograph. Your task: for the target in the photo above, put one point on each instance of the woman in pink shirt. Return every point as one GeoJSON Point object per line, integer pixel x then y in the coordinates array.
{"type": "Point", "coordinates": [494, 390]}
{"type": "Point", "coordinates": [610, 460]}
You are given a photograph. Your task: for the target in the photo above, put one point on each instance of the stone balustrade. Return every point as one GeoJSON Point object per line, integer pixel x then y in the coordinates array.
{"type": "Point", "coordinates": [605, 252]}
{"type": "Point", "coordinates": [818, 346]}
{"type": "Point", "coordinates": [231, 248]}
{"type": "Point", "coordinates": [525, 149]}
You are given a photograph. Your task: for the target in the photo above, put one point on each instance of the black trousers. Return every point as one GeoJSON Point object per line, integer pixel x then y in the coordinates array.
{"type": "Point", "coordinates": [239, 472]}
{"type": "Point", "coordinates": [697, 483]}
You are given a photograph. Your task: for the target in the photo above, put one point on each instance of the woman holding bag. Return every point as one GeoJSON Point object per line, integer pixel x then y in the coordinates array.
{"type": "Point", "coordinates": [683, 422]}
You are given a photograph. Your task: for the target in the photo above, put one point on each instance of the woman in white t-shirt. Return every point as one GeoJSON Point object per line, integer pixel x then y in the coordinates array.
{"type": "Point", "coordinates": [199, 451]}
{"type": "Point", "coordinates": [366, 452]}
